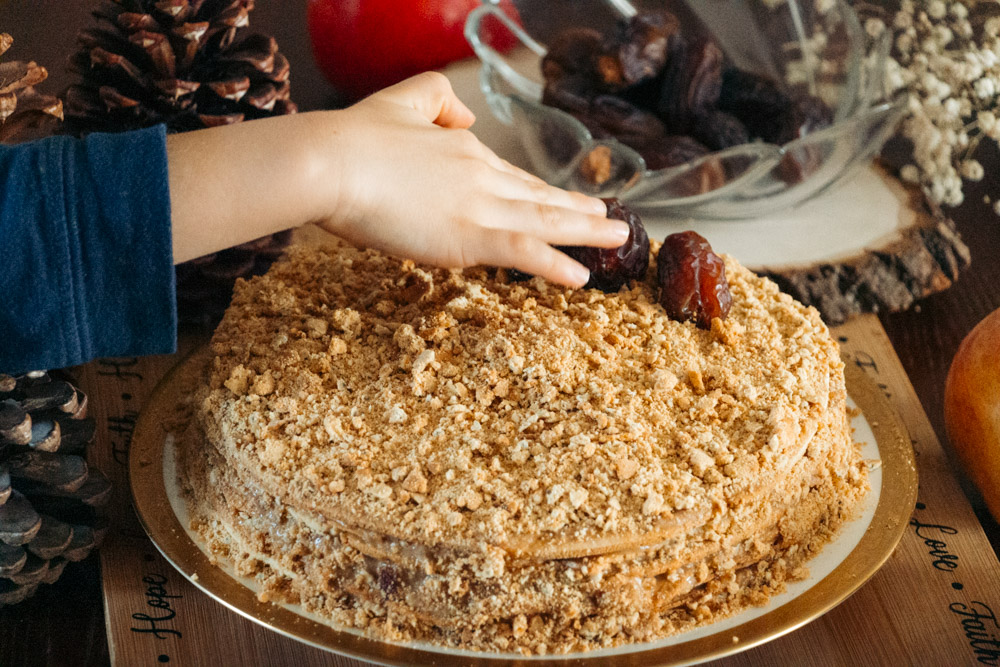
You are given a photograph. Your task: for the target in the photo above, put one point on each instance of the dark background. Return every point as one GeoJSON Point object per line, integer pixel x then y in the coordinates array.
{"type": "Point", "coordinates": [64, 623]}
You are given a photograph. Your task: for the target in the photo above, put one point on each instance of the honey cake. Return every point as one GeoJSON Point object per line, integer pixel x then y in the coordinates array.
{"type": "Point", "coordinates": [454, 457]}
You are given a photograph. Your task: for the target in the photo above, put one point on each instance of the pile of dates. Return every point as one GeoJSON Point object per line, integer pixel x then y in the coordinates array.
{"type": "Point", "coordinates": [690, 277]}
{"type": "Point", "coordinates": [671, 97]}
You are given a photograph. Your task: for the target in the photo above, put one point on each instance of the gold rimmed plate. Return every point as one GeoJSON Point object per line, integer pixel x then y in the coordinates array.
{"type": "Point", "coordinates": [858, 551]}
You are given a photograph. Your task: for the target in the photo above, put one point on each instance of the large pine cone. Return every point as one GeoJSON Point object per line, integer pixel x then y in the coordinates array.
{"type": "Point", "coordinates": [186, 63]}
{"type": "Point", "coordinates": [49, 497]}
{"type": "Point", "coordinates": [25, 113]}
{"type": "Point", "coordinates": [189, 64]}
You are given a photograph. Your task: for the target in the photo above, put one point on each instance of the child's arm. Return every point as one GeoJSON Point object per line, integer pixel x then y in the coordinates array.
{"type": "Point", "coordinates": [398, 171]}
{"type": "Point", "coordinates": [87, 226]}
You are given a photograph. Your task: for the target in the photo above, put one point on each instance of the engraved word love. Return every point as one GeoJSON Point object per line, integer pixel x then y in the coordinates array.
{"type": "Point", "coordinates": [943, 559]}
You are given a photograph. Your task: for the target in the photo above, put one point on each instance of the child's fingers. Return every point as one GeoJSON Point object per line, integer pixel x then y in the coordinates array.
{"type": "Point", "coordinates": [525, 185]}
{"type": "Point", "coordinates": [512, 186]}
{"type": "Point", "coordinates": [431, 95]}
{"type": "Point", "coordinates": [554, 224]}
{"type": "Point", "coordinates": [512, 249]}
{"type": "Point", "coordinates": [500, 164]}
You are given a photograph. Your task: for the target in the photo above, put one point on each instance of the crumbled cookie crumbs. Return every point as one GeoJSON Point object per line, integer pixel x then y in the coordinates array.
{"type": "Point", "coordinates": [531, 432]}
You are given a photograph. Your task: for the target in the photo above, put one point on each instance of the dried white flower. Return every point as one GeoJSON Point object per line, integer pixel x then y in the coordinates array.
{"type": "Point", "coordinates": [985, 88]}
{"type": "Point", "coordinates": [910, 173]}
{"type": "Point", "coordinates": [874, 27]}
{"type": "Point", "coordinates": [946, 54]}
{"type": "Point", "coordinates": [972, 170]}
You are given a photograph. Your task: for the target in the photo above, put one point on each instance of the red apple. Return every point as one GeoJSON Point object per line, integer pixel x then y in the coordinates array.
{"type": "Point", "coordinates": [365, 45]}
{"type": "Point", "coordinates": [972, 408]}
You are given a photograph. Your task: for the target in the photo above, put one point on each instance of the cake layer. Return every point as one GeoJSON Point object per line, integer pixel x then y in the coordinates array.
{"type": "Point", "coordinates": [428, 597]}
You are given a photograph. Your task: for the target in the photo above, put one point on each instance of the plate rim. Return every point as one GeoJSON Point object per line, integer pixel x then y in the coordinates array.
{"type": "Point", "coordinates": [897, 499]}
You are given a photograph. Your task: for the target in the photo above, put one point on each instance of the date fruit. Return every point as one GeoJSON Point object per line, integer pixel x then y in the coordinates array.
{"type": "Point", "coordinates": [719, 130]}
{"type": "Point", "coordinates": [666, 91]}
{"type": "Point", "coordinates": [643, 49]}
{"type": "Point", "coordinates": [610, 268]}
{"type": "Point", "coordinates": [571, 93]}
{"type": "Point", "coordinates": [582, 52]}
{"type": "Point", "coordinates": [672, 150]}
{"type": "Point", "coordinates": [767, 112]}
{"type": "Point", "coordinates": [675, 150]}
{"type": "Point", "coordinates": [691, 84]}
{"type": "Point", "coordinates": [611, 116]}
{"type": "Point", "coordinates": [692, 280]}
{"type": "Point", "coordinates": [573, 51]}
{"type": "Point", "coordinates": [756, 101]}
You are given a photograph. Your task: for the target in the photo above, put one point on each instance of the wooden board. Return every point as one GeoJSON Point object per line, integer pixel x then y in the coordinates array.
{"type": "Point", "coordinates": [934, 602]}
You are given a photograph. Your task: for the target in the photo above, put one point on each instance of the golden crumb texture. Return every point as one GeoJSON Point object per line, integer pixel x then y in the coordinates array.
{"type": "Point", "coordinates": [459, 442]}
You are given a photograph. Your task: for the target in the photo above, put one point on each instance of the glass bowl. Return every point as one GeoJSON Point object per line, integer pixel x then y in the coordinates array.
{"type": "Point", "coordinates": [814, 48]}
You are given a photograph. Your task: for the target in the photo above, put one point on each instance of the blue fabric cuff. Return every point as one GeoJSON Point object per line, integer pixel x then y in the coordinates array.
{"type": "Point", "coordinates": [86, 266]}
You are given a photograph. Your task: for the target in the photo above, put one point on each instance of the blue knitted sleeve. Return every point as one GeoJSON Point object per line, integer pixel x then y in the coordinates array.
{"type": "Point", "coordinates": [86, 266]}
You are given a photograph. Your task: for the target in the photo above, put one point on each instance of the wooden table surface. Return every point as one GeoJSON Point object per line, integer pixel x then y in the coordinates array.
{"type": "Point", "coordinates": [64, 623]}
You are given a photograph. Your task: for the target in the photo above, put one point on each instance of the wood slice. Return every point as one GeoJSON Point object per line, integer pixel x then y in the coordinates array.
{"type": "Point", "coordinates": [922, 255]}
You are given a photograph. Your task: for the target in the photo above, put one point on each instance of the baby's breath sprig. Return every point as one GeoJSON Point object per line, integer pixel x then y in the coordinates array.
{"type": "Point", "coordinates": [946, 55]}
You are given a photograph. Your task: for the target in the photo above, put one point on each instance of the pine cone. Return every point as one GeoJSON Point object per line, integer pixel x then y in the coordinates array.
{"type": "Point", "coordinates": [180, 62]}
{"type": "Point", "coordinates": [189, 64]}
{"type": "Point", "coordinates": [25, 113]}
{"type": "Point", "coordinates": [49, 498]}
{"type": "Point", "coordinates": [205, 285]}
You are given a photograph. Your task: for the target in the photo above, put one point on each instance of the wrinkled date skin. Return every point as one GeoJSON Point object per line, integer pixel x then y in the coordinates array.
{"type": "Point", "coordinates": [643, 49]}
{"type": "Point", "coordinates": [671, 151]}
{"type": "Point", "coordinates": [610, 268]}
{"type": "Point", "coordinates": [675, 150]}
{"type": "Point", "coordinates": [571, 93]}
{"type": "Point", "coordinates": [610, 116]}
{"type": "Point", "coordinates": [767, 112]}
{"type": "Point", "coordinates": [691, 84]}
{"type": "Point", "coordinates": [692, 280]}
{"type": "Point", "coordinates": [583, 53]}
{"type": "Point", "coordinates": [573, 51]}
{"type": "Point", "coordinates": [719, 130]}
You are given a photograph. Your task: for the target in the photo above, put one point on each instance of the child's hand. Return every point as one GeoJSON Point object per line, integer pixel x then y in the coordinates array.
{"type": "Point", "coordinates": [413, 181]}
{"type": "Point", "coordinates": [398, 171]}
